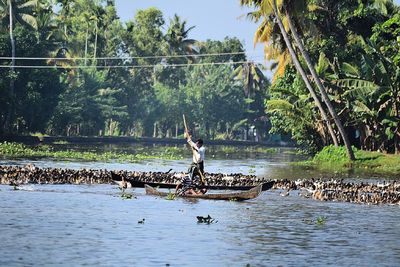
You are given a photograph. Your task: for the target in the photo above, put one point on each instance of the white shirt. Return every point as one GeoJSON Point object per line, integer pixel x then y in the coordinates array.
{"type": "Point", "coordinates": [198, 153]}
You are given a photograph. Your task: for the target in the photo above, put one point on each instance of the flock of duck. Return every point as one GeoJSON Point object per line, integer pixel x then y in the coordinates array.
{"type": "Point", "coordinates": [340, 190]}
{"type": "Point", "coordinates": [324, 190]}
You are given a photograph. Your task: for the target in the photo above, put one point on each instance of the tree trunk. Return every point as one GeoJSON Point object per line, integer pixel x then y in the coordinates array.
{"type": "Point", "coordinates": [10, 117]}
{"type": "Point", "coordinates": [299, 68]}
{"type": "Point", "coordinates": [155, 130]}
{"type": "Point", "coordinates": [86, 44]}
{"type": "Point", "coordinates": [322, 90]}
{"type": "Point", "coordinates": [95, 47]}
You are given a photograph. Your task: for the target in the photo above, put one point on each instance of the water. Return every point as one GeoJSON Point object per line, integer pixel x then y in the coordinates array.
{"type": "Point", "coordinates": [75, 225]}
{"type": "Point", "coordinates": [70, 225]}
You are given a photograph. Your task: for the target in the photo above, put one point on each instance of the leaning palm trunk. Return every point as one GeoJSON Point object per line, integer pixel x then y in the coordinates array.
{"type": "Point", "coordinates": [10, 116]}
{"type": "Point", "coordinates": [299, 68]}
{"type": "Point", "coordinates": [320, 86]}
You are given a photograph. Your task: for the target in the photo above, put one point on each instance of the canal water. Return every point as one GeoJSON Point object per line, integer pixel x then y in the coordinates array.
{"type": "Point", "coordinates": [92, 225]}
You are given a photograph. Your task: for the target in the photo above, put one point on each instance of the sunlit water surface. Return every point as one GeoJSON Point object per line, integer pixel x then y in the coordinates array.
{"type": "Point", "coordinates": [70, 225]}
{"type": "Point", "coordinates": [74, 225]}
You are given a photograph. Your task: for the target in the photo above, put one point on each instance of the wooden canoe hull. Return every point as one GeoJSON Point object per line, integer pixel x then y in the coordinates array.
{"type": "Point", "coordinates": [210, 186]}
{"type": "Point", "coordinates": [141, 184]}
{"type": "Point", "coordinates": [236, 196]}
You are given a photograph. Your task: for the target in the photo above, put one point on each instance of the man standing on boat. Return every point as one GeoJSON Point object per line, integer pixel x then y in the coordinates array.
{"type": "Point", "coordinates": [196, 170]}
{"type": "Point", "coordinates": [197, 166]}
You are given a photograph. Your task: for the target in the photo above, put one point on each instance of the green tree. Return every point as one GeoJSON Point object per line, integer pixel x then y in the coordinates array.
{"type": "Point", "coordinates": [265, 33]}
{"type": "Point", "coordinates": [16, 11]}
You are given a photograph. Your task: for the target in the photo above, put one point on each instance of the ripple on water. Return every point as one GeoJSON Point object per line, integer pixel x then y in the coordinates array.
{"type": "Point", "coordinates": [68, 225]}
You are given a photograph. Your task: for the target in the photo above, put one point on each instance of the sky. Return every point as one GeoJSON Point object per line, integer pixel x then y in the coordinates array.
{"type": "Point", "coordinates": [213, 19]}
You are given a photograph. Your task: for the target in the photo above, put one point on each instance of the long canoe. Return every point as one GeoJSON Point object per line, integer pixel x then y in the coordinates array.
{"type": "Point", "coordinates": [141, 184]}
{"type": "Point", "coordinates": [236, 196]}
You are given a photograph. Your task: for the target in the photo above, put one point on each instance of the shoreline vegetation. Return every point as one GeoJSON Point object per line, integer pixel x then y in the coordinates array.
{"type": "Point", "coordinates": [335, 159]}
{"type": "Point", "coordinates": [18, 150]}
{"type": "Point", "coordinates": [330, 159]}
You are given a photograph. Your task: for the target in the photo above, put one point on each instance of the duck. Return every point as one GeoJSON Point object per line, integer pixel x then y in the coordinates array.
{"type": "Point", "coordinates": [120, 181]}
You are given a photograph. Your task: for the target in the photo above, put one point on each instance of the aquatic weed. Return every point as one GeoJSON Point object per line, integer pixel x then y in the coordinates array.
{"type": "Point", "coordinates": [17, 150]}
{"type": "Point", "coordinates": [321, 220]}
{"type": "Point", "coordinates": [170, 196]}
{"type": "Point", "coordinates": [125, 195]}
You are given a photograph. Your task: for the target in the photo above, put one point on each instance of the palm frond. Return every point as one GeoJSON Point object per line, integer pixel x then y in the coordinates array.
{"type": "Point", "coordinates": [27, 20]}
{"type": "Point", "coordinates": [323, 64]}
{"type": "Point", "coordinates": [357, 88]}
{"type": "Point", "coordinates": [28, 4]}
{"type": "Point", "coordinates": [360, 107]}
{"type": "Point", "coordinates": [350, 70]}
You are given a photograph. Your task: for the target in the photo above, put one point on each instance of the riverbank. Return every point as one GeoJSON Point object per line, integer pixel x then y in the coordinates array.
{"type": "Point", "coordinates": [335, 160]}
{"type": "Point", "coordinates": [36, 139]}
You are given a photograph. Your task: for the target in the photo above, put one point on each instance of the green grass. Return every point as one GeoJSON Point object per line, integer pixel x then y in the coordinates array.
{"type": "Point", "coordinates": [335, 159]}
{"type": "Point", "coordinates": [17, 150]}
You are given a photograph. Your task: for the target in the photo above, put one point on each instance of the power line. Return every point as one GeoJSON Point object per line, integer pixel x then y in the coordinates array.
{"type": "Point", "coordinates": [123, 57]}
{"type": "Point", "coordinates": [128, 66]}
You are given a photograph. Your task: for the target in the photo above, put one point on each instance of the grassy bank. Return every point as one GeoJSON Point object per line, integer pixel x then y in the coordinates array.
{"type": "Point", "coordinates": [17, 150]}
{"type": "Point", "coordinates": [335, 159]}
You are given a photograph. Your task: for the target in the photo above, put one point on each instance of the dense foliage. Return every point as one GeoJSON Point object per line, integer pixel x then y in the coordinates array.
{"type": "Point", "coordinates": [355, 49]}
{"type": "Point", "coordinates": [100, 76]}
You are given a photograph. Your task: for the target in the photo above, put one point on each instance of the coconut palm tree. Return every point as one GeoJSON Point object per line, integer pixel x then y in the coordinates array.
{"type": "Point", "coordinates": [314, 74]}
{"type": "Point", "coordinates": [265, 33]}
{"type": "Point", "coordinates": [177, 38]}
{"type": "Point", "coordinates": [16, 11]}
{"type": "Point", "coordinates": [252, 77]}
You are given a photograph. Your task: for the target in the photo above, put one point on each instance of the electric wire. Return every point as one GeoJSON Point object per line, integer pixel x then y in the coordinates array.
{"type": "Point", "coordinates": [124, 66]}
{"type": "Point", "coordinates": [124, 57]}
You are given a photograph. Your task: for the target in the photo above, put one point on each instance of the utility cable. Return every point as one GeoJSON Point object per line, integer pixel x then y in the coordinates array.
{"type": "Point", "coordinates": [126, 66]}
{"type": "Point", "coordinates": [123, 57]}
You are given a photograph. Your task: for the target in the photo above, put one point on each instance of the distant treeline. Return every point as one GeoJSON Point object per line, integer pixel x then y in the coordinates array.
{"type": "Point", "coordinates": [105, 77]}
{"type": "Point", "coordinates": [73, 68]}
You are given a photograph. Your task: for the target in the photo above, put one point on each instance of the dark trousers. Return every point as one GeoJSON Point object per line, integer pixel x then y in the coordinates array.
{"type": "Point", "coordinates": [195, 169]}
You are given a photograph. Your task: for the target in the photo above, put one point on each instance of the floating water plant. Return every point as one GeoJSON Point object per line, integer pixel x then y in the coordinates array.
{"type": "Point", "coordinates": [125, 195]}
{"type": "Point", "coordinates": [61, 142]}
{"type": "Point", "coordinates": [17, 150]}
{"type": "Point", "coordinates": [321, 220]}
{"type": "Point", "coordinates": [170, 196]}
{"type": "Point", "coordinates": [206, 220]}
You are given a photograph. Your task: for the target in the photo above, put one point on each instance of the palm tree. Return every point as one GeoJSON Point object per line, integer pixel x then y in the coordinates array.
{"type": "Point", "coordinates": [317, 80]}
{"type": "Point", "coordinates": [18, 11]}
{"type": "Point", "coordinates": [252, 77]}
{"type": "Point", "coordinates": [177, 38]}
{"type": "Point", "coordinates": [265, 33]}
{"type": "Point", "coordinates": [253, 80]}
